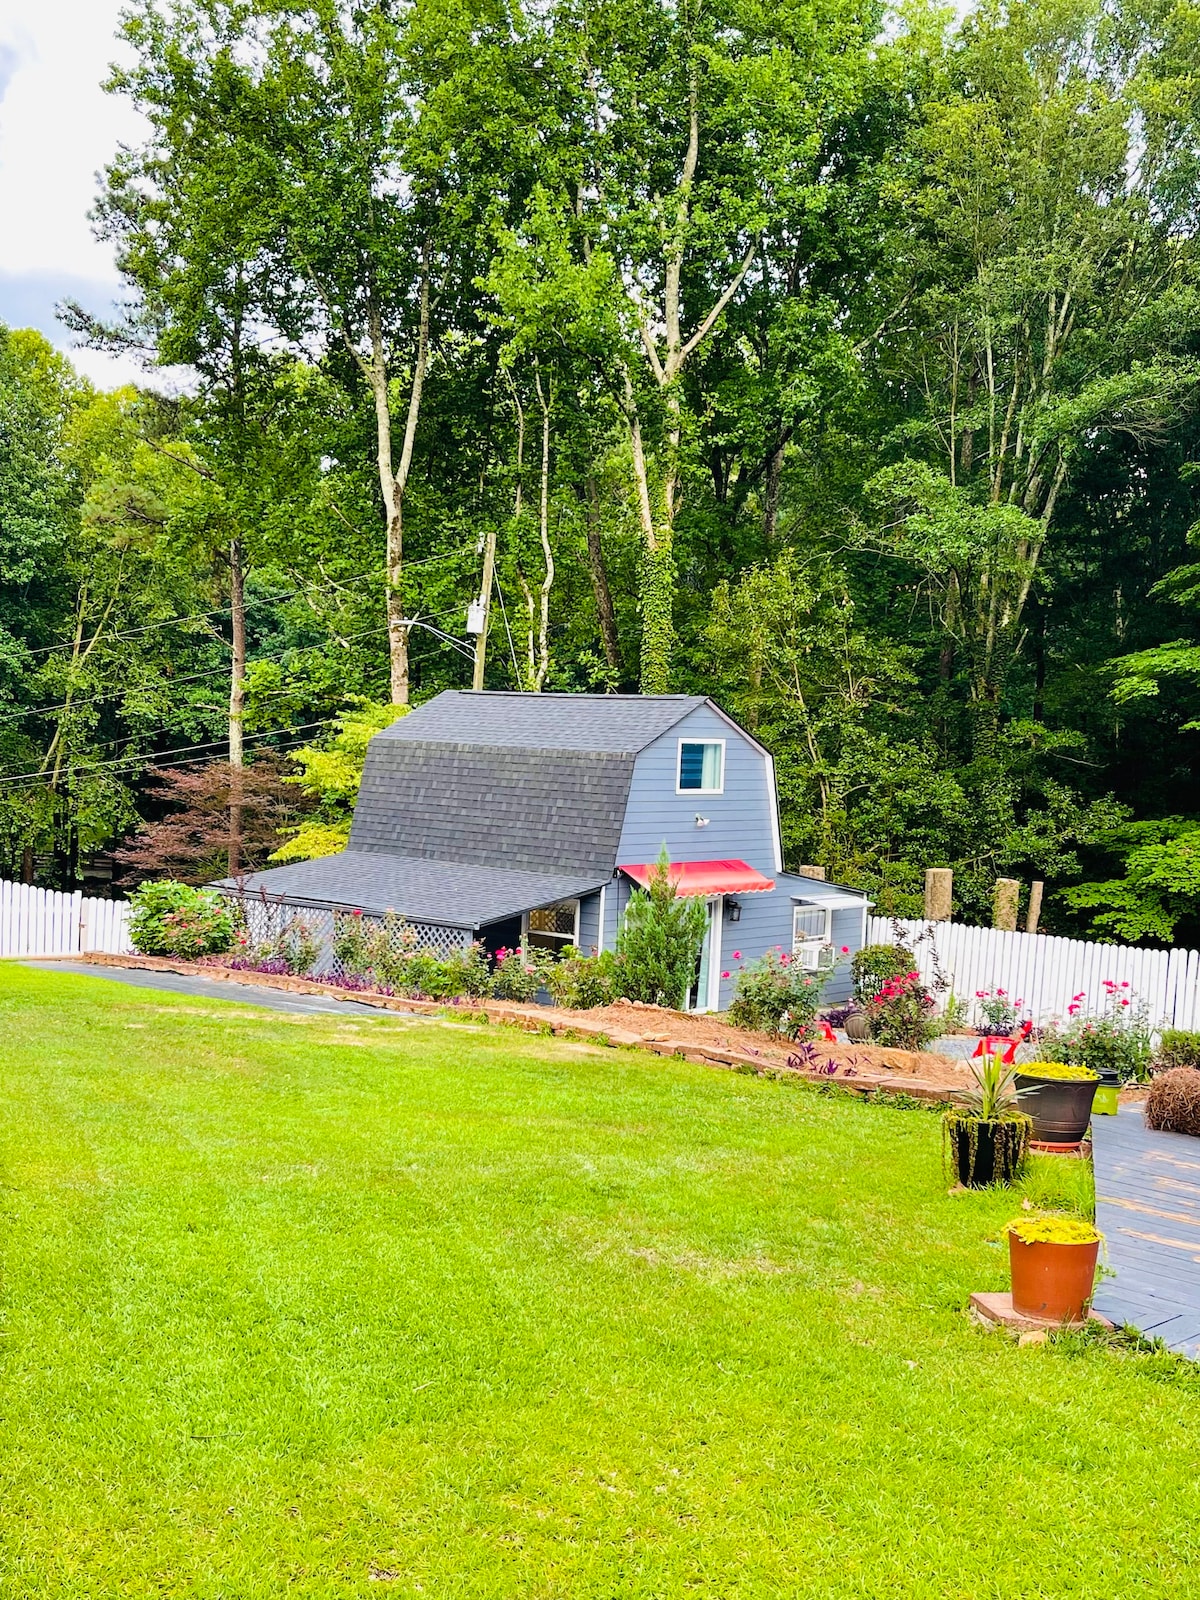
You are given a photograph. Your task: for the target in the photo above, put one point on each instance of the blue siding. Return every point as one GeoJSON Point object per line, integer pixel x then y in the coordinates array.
{"type": "Point", "coordinates": [740, 818]}
{"type": "Point", "coordinates": [740, 826]}
{"type": "Point", "coordinates": [589, 923]}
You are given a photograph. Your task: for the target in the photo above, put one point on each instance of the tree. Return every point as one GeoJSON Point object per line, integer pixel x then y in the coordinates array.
{"type": "Point", "coordinates": [1045, 268]}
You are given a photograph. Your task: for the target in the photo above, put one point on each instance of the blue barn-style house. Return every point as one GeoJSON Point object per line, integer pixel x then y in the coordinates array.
{"type": "Point", "coordinates": [531, 819]}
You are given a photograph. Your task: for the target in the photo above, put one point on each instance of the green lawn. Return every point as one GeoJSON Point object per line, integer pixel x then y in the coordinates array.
{"type": "Point", "coordinates": [337, 1307]}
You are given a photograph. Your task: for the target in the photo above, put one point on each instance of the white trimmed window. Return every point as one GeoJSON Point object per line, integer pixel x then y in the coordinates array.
{"type": "Point", "coordinates": [701, 766]}
{"type": "Point", "coordinates": [553, 927]}
{"type": "Point", "coordinates": [812, 934]}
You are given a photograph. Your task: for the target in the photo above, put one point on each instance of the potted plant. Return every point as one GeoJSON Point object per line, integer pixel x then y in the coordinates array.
{"type": "Point", "coordinates": [1053, 1264]}
{"type": "Point", "coordinates": [988, 1141]}
{"type": "Point", "coordinates": [1058, 1096]}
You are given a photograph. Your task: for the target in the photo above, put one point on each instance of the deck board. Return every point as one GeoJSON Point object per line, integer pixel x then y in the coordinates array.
{"type": "Point", "coordinates": [1148, 1208]}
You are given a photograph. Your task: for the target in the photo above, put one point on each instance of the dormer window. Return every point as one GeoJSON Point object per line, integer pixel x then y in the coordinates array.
{"type": "Point", "coordinates": [701, 766]}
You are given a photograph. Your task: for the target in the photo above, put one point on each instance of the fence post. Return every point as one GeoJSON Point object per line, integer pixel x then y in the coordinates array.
{"type": "Point", "coordinates": [1004, 912]}
{"type": "Point", "coordinates": [939, 894]}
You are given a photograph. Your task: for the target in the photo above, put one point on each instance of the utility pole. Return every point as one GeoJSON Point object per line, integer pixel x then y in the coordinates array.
{"type": "Point", "coordinates": [481, 610]}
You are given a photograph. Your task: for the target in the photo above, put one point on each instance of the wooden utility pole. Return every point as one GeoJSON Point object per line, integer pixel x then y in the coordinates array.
{"type": "Point", "coordinates": [485, 596]}
{"type": "Point", "coordinates": [939, 894]}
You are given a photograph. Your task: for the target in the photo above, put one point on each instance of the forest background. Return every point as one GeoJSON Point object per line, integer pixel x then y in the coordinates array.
{"type": "Point", "coordinates": [835, 360]}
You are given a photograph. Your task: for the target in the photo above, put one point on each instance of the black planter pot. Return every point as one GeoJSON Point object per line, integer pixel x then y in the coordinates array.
{"type": "Point", "coordinates": [1061, 1108]}
{"type": "Point", "coordinates": [983, 1153]}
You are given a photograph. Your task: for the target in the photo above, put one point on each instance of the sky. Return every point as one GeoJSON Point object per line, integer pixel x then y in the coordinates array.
{"type": "Point", "coordinates": [57, 130]}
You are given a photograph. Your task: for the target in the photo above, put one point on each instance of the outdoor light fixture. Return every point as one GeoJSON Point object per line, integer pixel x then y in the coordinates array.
{"type": "Point", "coordinates": [733, 910]}
{"type": "Point", "coordinates": [701, 822]}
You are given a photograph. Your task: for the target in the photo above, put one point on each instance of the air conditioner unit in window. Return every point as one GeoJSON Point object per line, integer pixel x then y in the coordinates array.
{"type": "Point", "coordinates": [814, 955]}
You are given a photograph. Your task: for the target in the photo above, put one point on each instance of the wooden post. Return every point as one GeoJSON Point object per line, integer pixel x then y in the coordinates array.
{"type": "Point", "coordinates": [1008, 894]}
{"type": "Point", "coordinates": [811, 872]}
{"type": "Point", "coordinates": [1035, 906]}
{"type": "Point", "coordinates": [939, 894]}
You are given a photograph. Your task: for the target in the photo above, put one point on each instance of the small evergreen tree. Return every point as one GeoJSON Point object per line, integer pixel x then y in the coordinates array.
{"type": "Point", "coordinates": [660, 939]}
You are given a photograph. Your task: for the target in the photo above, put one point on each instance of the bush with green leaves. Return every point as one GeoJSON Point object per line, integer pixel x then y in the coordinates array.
{"type": "Point", "coordinates": [1117, 1041]}
{"type": "Point", "coordinates": [1177, 1047]}
{"type": "Point", "coordinates": [518, 974]}
{"type": "Point", "coordinates": [873, 965]}
{"type": "Point", "coordinates": [776, 995]}
{"type": "Point", "coordinates": [173, 919]}
{"type": "Point", "coordinates": [900, 1015]}
{"type": "Point", "coordinates": [660, 940]}
{"type": "Point", "coordinates": [580, 982]}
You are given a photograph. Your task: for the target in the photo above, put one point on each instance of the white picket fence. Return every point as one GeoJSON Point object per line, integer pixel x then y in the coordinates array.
{"type": "Point", "coordinates": [43, 922]}
{"type": "Point", "coordinates": [1046, 972]}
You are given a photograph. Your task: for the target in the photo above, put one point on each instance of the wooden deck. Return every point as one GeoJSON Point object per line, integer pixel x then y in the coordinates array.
{"type": "Point", "coordinates": [1148, 1208]}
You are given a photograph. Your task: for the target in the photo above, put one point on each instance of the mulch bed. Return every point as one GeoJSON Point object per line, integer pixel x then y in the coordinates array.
{"type": "Point", "coordinates": [863, 1069]}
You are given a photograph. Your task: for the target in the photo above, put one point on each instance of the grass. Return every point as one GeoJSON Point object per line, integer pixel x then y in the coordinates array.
{"type": "Point", "coordinates": [316, 1306]}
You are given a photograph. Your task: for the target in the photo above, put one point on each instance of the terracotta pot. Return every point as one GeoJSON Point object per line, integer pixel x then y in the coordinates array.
{"type": "Point", "coordinates": [1052, 1282]}
{"type": "Point", "coordinates": [856, 1027]}
{"type": "Point", "coordinates": [1061, 1108]}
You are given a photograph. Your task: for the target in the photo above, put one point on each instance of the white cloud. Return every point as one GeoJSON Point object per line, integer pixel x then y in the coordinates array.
{"type": "Point", "coordinates": [57, 130]}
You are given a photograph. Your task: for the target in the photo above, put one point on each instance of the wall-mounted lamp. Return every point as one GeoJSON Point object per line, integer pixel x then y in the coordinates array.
{"type": "Point", "coordinates": [733, 910]}
{"type": "Point", "coordinates": [701, 822]}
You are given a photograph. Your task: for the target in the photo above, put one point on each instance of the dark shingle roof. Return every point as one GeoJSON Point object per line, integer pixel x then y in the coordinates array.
{"type": "Point", "coordinates": [534, 809]}
{"type": "Point", "coordinates": [597, 723]}
{"type": "Point", "coordinates": [476, 806]}
{"type": "Point", "coordinates": [441, 892]}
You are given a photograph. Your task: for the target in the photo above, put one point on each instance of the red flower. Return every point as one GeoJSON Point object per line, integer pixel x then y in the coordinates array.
{"type": "Point", "coordinates": [845, 949]}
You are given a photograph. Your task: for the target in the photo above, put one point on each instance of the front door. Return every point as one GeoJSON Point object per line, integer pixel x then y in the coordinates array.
{"type": "Point", "coordinates": [706, 993]}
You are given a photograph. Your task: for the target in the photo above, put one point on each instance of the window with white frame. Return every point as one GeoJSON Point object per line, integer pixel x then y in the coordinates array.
{"type": "Point", "coordinates": [553, 927]}
{"type": "Point", "coordinates": [812, 933]}
{"type": "Point", "coordinates": [701, 766]}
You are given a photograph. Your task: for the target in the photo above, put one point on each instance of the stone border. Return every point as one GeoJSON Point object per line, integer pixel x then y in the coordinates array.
{"type": "Point", "coordinates": [541, 1019]}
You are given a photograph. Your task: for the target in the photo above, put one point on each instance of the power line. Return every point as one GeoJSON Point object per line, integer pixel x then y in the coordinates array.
{"type": "Point", "coordinates": [196, 677]}
{"type": "Point", "coordinates": [224, 611]}
{"type": "Point", "coordinates": [154, 758]}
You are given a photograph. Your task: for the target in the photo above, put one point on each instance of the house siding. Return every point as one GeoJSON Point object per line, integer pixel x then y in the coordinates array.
{"type": "Point", "coordinates": [742, 825]}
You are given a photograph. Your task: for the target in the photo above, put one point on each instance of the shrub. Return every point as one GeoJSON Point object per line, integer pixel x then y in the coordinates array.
{"type": "Point", "coordinates": [1173, 1103]}
{"type": "Point", "coordinates": [776, 995]}
{"type": "Point", "coordinates": [873, 965]}
{"type": "Point", "coordinates": [173, 919]}
{"type": "Point", "coordinates": [660, 939]}
{"type": "Point", "coordinates": [900, 1015]}
{"type": "Point", "coordinates": [1177, 1048]}
{"type": "Point", "coordinates": [1000, 1013]}
{"type": "Point", "coordinates": [1116, 1042]}
{"type": "Point", "coordinates": [296, 945]}
{"type": "Point", "coordinates": [461, 973]}
{"type": "Point", "coordinates": [518, 975]}
{"type": "Point", "coordinates": [580, 982]}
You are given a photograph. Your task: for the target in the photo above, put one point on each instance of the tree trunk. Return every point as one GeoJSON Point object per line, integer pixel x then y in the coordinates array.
{"type": "Point", "coordinates": [604, 601]}
{"type": "Point", "coordinates": [543, 651]}
{"type": "Point", "coordinates": [237, 704]}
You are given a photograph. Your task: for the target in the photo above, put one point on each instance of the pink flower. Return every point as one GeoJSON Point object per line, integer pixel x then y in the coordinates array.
{"type": "Point", "coordinates": [1080, 995]}
{"type": "Point", "coordinates": [724, 974]}
{"type": "Point", "coordinates": [737, 955]}
{"type": "Point", "coordinates": [845, 949]}
{"type": "Point", "coordinates": [981, 994]}
{"type": "Point", "coordinates": [1071, 1010]}
{"type": "Point", "coordinates": [1000, 991]}
{"type": "Point", "coordinates": [1124, 1002]}
{"type": "Point", "coordinates": [1125, 985]}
